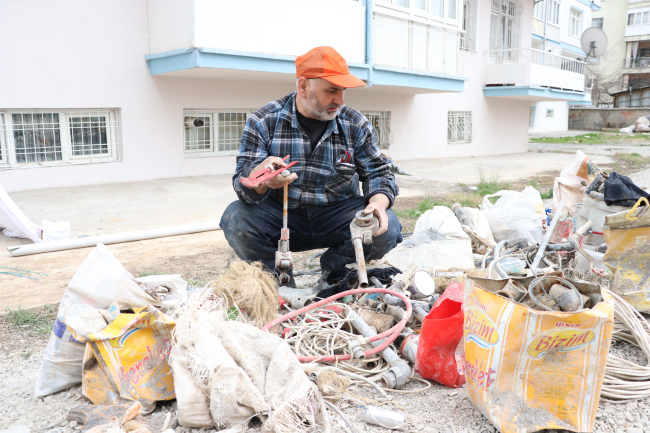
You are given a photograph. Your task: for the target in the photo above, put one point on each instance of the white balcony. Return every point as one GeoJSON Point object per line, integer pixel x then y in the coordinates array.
{"type": "Point", "coordinates": [533, 75]}
{"type": "Point", "coordinates": [552, 31]}
{"type": "Point", "coordinates": [259, 40]}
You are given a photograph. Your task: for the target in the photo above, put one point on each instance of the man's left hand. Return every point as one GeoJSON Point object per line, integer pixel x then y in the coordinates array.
{"type": "Point", "coordinates": [377, 206]}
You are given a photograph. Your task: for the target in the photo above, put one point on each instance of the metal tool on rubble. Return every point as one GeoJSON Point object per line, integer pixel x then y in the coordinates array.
{"type": "Point", "coordinates": [261, 176]}
{"type": "Point", "coordinates": [283, 258]}
{"type": "Point", "coordinates": [362, 229]}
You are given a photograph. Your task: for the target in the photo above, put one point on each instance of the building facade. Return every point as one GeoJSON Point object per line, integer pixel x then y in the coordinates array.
{"type": "Point", "coordinates": [557, 27]}
{"type": "Point", "coordinates": [133, 90]}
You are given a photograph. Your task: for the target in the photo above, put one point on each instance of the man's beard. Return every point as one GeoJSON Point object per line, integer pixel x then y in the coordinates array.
{"type": "Point", "coordinates": [317, 111]}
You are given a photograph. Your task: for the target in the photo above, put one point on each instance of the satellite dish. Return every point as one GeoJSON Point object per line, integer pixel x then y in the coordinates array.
{"type": "Point", "coordinates": [593, 42]}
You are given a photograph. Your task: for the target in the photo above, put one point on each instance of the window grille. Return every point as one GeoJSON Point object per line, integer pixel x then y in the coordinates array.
{"type": "Point", "coordinates": [33, 138]}
{"type": "Point", "coordinates": [469, 24]}
{"type": "Point", "coordinates": [380, 121]}
{"type": "Point", "coordinates": [213, 132]}
{"type": "Point", "coordinates": [459, 127]}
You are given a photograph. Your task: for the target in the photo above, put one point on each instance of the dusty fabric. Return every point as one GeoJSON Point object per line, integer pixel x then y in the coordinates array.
{"type": "Point", "coordinates": [622, 191]}
{"type": "Point", "coordinates": [245, 372]}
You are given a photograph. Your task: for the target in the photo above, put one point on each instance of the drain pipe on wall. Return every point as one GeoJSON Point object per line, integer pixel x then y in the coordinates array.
{"type": "Point", "coordinates": [369, 36]}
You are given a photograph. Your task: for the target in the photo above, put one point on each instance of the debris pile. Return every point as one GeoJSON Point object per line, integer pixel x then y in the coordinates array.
{"type": "Point", "coordinates": [515, 301]}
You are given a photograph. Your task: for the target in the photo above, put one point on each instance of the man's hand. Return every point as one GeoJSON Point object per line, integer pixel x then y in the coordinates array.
{"type": "Point", "coordinates": [276, 182]}
{"type": "Point", "coordinates": [377, 206]}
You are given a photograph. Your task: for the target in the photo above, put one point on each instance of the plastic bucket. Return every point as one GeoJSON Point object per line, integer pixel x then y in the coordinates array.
{"type": "Point", "coordinates": [596, 211]}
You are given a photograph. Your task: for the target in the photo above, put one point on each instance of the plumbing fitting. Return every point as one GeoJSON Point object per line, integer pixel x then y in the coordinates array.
{"type": "Point", "coordinates": [357, 348]}
{"type": "Point", "coordinates": [362, 228]}
{"type": "Point", "coordinates": [402, 281]}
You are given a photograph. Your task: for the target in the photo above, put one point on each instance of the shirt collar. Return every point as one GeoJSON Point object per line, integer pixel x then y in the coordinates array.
{"type": "Point", "coordinates": [289, 113]}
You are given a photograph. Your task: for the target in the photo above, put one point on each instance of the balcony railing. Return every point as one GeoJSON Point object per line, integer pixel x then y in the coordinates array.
{"type": "Point", "coordinates": [529, 55]}
{"type": "Point", "coordinates": [639, 62]}
{"type": "Point", "coordinates": [405, 44]}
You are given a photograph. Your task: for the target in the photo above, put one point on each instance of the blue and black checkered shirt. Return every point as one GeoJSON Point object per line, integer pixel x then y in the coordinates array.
{"type": "Point", "coordinates": [273, 130]}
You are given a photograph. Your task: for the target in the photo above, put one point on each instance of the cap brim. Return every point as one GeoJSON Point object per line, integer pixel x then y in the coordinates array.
{"type": "Point", "coordinates": [348, 81]}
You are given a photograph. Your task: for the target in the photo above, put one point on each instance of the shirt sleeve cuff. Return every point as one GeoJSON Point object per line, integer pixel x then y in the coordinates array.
{"type": "Point", "coordinates": [255, 197]}
{"type": "Point", "coordinates": [366, 200]}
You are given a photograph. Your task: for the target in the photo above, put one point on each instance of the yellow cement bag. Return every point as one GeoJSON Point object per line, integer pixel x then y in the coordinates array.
{"type": "Point", "coordinates": [628, 254]}
{"type": "Point", "coordinates": [129, 359]}
{"type": "Point", "coordinates": [529, 370]}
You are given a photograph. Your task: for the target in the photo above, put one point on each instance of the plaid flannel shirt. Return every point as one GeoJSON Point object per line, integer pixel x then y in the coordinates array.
{"type": "Point", "coordinates": [273, 130]}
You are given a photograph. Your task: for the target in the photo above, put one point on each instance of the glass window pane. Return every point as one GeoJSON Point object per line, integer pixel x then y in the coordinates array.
{"type": "Point", "coordinates": [451, 9]}
{"type": "Point", "coordinates": [403, 3]}
{"type": "Point", "coordinates": [645, 17]}
{"type": "Point", "coordinates": [630, 19]}
{"type": "Point", "coordinates": [436, 8]}
{"type": "Point", "coordinates": [88, 135]}
{"type": "Point", "coordinates": [420, 4]}
{"type": "Point", "coordinates": [37, 137]}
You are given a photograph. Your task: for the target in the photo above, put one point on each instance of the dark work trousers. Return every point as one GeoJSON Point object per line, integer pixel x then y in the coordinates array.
{"type": "Point", "coordinates": [253, 231]}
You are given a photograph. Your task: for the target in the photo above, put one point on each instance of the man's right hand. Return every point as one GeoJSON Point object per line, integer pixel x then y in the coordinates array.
{"type": "Point", "coordinates": [276, 182]}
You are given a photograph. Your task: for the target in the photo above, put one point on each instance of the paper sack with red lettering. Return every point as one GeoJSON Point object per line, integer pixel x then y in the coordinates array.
{"type": "Point", "coordinates": [440, 349]}
{"type": "Point", "coordinates": [129, 359]}
{"type": "Point", "coordinates": [529, 370]}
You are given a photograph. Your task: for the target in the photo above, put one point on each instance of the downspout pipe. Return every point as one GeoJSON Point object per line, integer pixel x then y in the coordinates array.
{"type": "Point", "coordinates": [369, 38]}
{"type": "Point", "coordinates": [545, 20]}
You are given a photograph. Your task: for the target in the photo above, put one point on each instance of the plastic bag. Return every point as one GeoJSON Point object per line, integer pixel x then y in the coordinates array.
{"type": "Point", "coordinates": [55, 231]}
{"type": "Point", "coordinates": [99, 282]}
{"type": "Point", "coordinates": [480, 222]}
{"type": "Point", "coordinates": [440, 355]}
{"type": "Point", "coordinates": [450, 253]}
{"type": "Point", "coordinates": [515, 215]}
{"type": "Point", "coordinates": [529, 370]}
{"type": "Point", "coordinates": [570, 185]}
{"type": "Point", "coordinates": [423, 237]}
{"type": "Point", "coordinates": [443, 220]}
{"type": "Point", "coordinates": [642, 124]}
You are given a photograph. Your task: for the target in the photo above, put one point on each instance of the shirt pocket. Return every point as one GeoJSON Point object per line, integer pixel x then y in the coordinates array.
{"type": "Point", "coordinates": [340, 183]}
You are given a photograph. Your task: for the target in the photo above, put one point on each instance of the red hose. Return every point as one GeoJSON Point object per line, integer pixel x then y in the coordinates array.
{"type": "Point", "coordinates": [392, 333]}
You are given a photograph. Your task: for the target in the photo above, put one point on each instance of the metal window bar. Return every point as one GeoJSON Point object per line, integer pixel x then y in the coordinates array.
{"type": "Point", "coordinates": [528, 55]}
{"type": "Point", "coordinates": [198, 131]}
{"type": "Point", "coordinates": [230, 127]}
{"type": "Point", "coordinates": [380, 121]}
{"type": "Point", "coordinates": [459, 127]}
{"type": "Point", "coordinates": [505, 25]}
{"type": "Point", "coordinates": [32, 138]}
{"type": "Point", "coordinates": [409, 45]}
{"type": "Point", "coordinates": [469, 23]}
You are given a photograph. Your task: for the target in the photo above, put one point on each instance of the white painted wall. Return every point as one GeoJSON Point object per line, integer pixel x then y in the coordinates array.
{"type": "Point", "coordinates": [559, 121]}
{"type": "Point", "coordinates": [91, 55]}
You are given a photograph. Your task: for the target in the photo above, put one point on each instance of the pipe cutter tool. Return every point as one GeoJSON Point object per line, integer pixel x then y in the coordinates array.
{"type": "Point", "coordinates": [283, 258]}
{"type": "Point", "coordinates": [362, 228]}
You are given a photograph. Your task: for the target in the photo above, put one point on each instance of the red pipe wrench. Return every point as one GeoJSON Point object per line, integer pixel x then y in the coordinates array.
{"type": "Point", "coordinates": [261, 176]}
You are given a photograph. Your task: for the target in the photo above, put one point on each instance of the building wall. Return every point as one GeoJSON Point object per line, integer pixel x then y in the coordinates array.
{"type": "Point", "coordinates": [91, 55]}
{"type": "Point", "coordinates": [599, 118]}
{"type": "Point", "coordinates": [559, 121]}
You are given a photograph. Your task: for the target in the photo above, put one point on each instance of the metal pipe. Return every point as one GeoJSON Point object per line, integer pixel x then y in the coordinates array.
{"type": "Point", "coordinates": [497, 250]}
{"type": "Point", "coordinates": [116, 238]}
{"type": "Point", "coordinates": [462, 216]}
{"type": "Point", "coordinates": [361, 263]}
{"type": "Point", "coordinates": [400, 370]}
{"type": "Point", "coordinates": [547, 238]}
{"type": "Point", "coordinates": [369, 39]}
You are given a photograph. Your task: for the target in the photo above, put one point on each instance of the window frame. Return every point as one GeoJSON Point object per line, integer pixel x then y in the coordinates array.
{"type": "Point", "coordinates": [467, 136]}
{"type": "Point", "coordinates": [427, 11]}
{"type": "Point", "coordinates": [577, 19]}
{"type": "Point", "coordinates": [9, 161]}
{"type": "Point", "coordinates": [550, 111]}
{"type": "Point", "coordinates": [214, 132]}
{"type": "Point", "coordinates": [599, 22]}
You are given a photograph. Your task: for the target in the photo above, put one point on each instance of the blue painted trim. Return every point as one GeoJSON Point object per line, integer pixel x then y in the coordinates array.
{"type": "Point", "coordinates": [389, 77]}
{"type": "Point", "coordinates": [572, 48]}
{"type": "Point", "coordinates": [179, 60]}
{"type": "Point", "coordinates": [505, 91]}
{"type": "Point", "coordinates": [593, 6]}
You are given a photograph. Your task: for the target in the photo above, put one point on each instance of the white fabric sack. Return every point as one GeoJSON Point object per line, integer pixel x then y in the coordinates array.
{"type": "Point", "coordinates": [17, 225]}
{"type": "Point", "coordinates": [445, 254]}
{"type": "Point", "coordinates": [568, 186]}
{"type": "Point", "coordinates": [642, 124]}
{"type": "Point", "coordinates": [442, 219]}
{"type": "Point", "coordinates": [193, 403]}
{"type": "Point", "coordinates": [515, 215]}
{"type": "Point", "coordinates": [99, 281]}
{"type": "Point", "coordinates": [480, 222]}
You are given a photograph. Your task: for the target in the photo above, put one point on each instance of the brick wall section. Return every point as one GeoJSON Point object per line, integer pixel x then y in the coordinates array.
{"type": "Point", "coordinates": [599, 118]}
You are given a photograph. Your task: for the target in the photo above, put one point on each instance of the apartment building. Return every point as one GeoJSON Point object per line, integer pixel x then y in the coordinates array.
{"type": "Point", "coordinates": [626, 64]}
{"type": "Point", "coordinates": [132, 90]}
{"type": "Point", "coordinates": [557, 27]}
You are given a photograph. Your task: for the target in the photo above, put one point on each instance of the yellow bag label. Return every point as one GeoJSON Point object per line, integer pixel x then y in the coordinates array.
{"type": "Point", "coordinates": [129, 359]}
{"type": "Point", "coordinates": [529, 370]}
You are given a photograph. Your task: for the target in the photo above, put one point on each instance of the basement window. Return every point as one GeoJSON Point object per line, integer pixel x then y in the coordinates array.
{"type": "Point", "coordinates": [40, 138]}
{"type": "Point", "coordinates": [549, 113]}
{"type": "Point", "coordinates": [380, 121]}
{"type": "Point", "coordinates": [459, 127]}
{"type": "Point", "coordinates": [213, 132]}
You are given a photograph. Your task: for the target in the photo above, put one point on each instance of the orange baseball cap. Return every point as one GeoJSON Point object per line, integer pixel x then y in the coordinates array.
{"type": "Point", "coordinates": [328, 64]}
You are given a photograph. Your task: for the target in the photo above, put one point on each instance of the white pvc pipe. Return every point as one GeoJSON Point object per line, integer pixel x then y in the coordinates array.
{"type": "Point", "coordinates": [116, 238]}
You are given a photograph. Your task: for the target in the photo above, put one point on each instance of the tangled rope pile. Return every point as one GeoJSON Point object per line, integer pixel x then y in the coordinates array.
{"type": "Point", "coordinates": [624, 380]}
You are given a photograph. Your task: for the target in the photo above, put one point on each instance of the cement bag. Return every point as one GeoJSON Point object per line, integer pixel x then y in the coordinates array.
{"type": "Point", "coordinates": [443, 220]}
{"type": "Point", "coordinates": [445, 254]}
{"type": "Point", "coordinates": [642, 124]}
{"type": "Point", "coordinates": [570, 185]}
{"type": "Point", "coordinates": [440, 355]}
{"type": "Point", "coordinates": [628, 255]}
{"type": "Point", "coordinates": [515, 215]}
{"type": "Point", "coordinates": [129, 359]}
{"type": "Point", "coordinates": [99, 281]}
{"type": "Point", "coordinates": [193, 403]}
{"type": "Point", "coordinates": [530, 370]}
{"type": "Point", "coordinates": [14, 222]}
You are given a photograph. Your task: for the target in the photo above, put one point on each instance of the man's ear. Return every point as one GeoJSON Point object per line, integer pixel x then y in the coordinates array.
{"type": "Point", "coordinates": [303, 84]}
